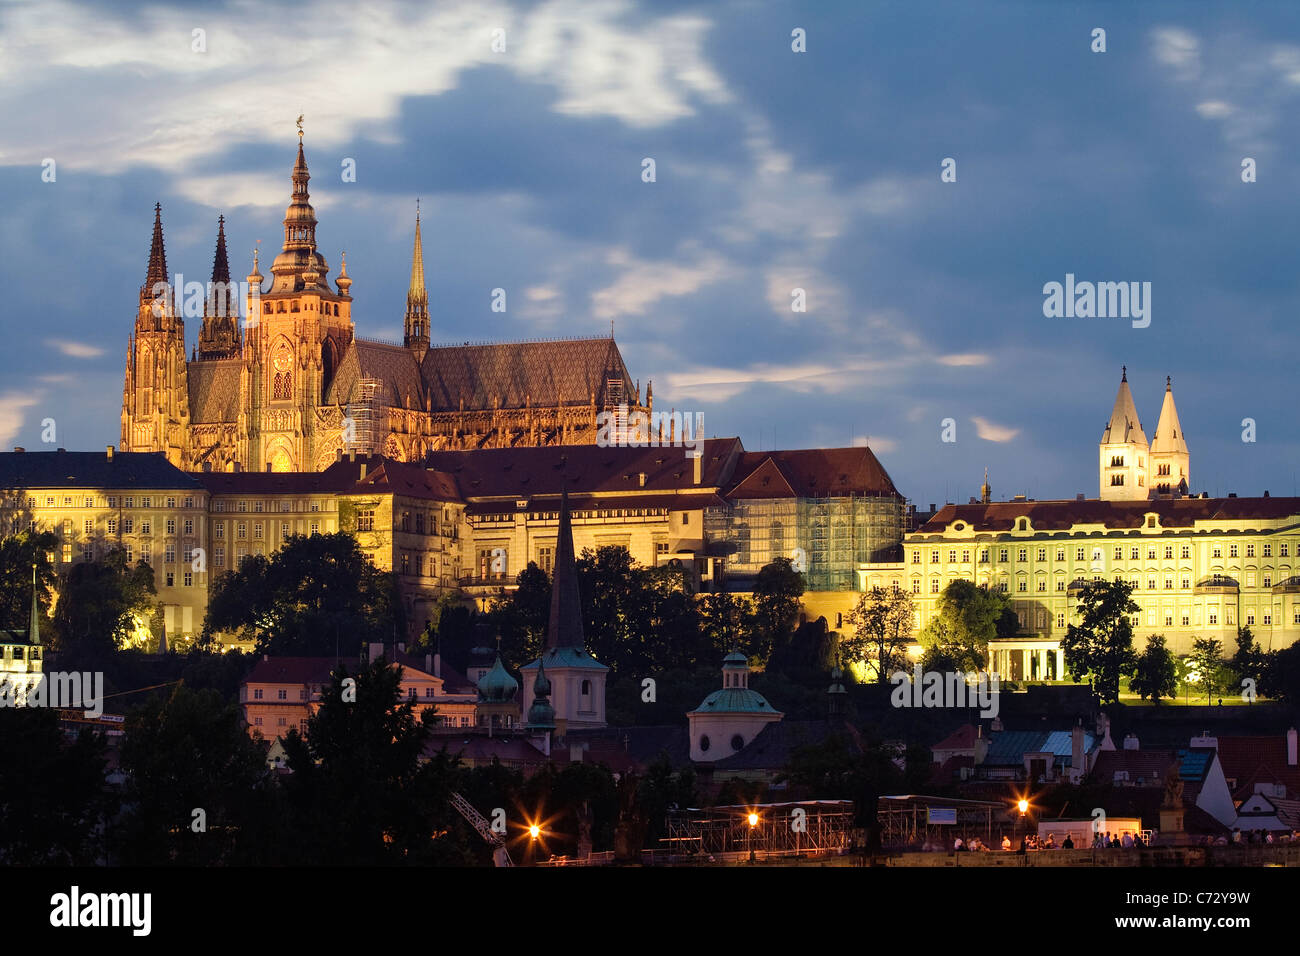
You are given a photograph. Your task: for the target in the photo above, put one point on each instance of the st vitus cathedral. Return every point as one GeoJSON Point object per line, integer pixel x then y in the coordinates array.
{"type": "Point", "coordinates": [296, 386]}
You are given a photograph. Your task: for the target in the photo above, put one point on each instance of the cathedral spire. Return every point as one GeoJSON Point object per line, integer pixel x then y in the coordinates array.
{"type": "Point", "coordinates": [416, 334]}
{"type": "Point", "coordinates": [157, 259]}
{"type": "Point", "coordinates": [1169, 455]}
{"type": "Point", "coordinates": [220, 287]}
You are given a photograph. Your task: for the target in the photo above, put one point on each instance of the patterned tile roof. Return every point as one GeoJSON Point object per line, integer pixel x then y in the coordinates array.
{"type": "Point", "coordinates": [567, 372]}
{"type": "Point", "coordinates": [214, 390]}
{"type": "Point", "coordinates": [1252, 760]}
{"type": "Point", "coordinates": [392, 365]}
{"type": "Point", "coordinates": [411, 480]}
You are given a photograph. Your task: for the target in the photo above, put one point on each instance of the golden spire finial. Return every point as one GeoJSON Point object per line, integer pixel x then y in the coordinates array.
{"type": "Point", "coordinates": [300, 115]}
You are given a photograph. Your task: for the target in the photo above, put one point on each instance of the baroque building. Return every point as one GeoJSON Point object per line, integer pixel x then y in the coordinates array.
{"type": "Point", "coordinates": [295, 385]}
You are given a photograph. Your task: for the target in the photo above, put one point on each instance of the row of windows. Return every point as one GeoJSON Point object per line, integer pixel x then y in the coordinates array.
{"type": "Point", "coordinates": [241, 530]}
{"type": "Point", "coordinates": [128, 526]}
{"type": "Point", "coordinates": [1152, 582]}
{"type": "Point", "coordinates": [260, 506]}
{"type": "Point", "coordinates": [111, 501]}
{"type": "Point", "coordinates": [1153, 553]}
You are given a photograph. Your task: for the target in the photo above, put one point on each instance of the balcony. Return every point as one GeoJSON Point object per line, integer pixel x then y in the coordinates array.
{"type": "Point", "coordinates": [1216, 584]}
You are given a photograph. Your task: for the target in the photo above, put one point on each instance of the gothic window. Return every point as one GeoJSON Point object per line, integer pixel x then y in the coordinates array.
{"type": "Point", "coordinates": [282, 386]}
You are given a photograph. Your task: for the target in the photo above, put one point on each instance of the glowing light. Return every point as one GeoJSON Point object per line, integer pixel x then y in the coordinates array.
{"type": "Point", "coordinates": [753, 819]}
{"type": "Point", "coordinates": [1023, 806]}
{"type": "Point", "coordinates": [534, 831]}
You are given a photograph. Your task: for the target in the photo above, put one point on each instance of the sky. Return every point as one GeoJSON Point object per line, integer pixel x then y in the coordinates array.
{"type": "Point", "coordinates": [774, 170]}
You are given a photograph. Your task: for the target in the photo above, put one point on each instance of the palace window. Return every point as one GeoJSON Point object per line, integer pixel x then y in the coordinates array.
{"type": "Point", "coordinates": [1283, 550]}
{"type": "Point", "coordinates": [1060, 584]}
{"type": "Point", "coordinates": [1060, 554]}
{"type": "Point", "coordinates": [169, 555]}
{"type": "Point", "coordinates": [171, 525]}
{"type": "Point", "coordinates": [1022, 554]}
{"type": "Point", "coordinates": [1022, 585]}
{"type": "Point", "coordinates": [1002, 554]}
{"type": "Point", "coordinates": [1268, 579]}
{"type": "Point", "coordinates": [934, 586]}
{"type": "Point", "coordinates": [1119, 553]}
{"type": "Point", "coordinates": [1079, 554]}
{"type": "Point", "coordinates": [1169, 551]}
{"type": "Point", "coordinates": [1232, 551]}
{"type": "Point", "coordinates": [219, 557]}
{"type": "Point", "coordinates": [1268, 550]}
{"type": "Point", "coordinates": [1250, 618]}
{"type": "Point", "coordinates": [1216, 551]}
{"type": "Point", "coordinates": [1267, 620]}
{"type": "Point", "coordinates": [1042, 585]}
{"type": "Point", "coordinates": [1214, 616]}
{"type": "Point", "coordinates": [189, 525]}
{"type": "Point", "coordinates": [1250, 550]}
{"type": "Point", "coordinates": [916, 586]}
{"type": "Point", "coordinates": [934, 556]}
{"type": "Point", "coordinates": [952, 557]}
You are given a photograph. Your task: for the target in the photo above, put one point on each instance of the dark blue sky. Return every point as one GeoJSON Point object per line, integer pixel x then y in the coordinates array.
{"type": "Point", "coordinates": [775, 170]}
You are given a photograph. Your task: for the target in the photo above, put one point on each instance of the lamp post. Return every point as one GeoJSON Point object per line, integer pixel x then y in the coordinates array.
{"type": "Point", "coordinates": [753, 822]}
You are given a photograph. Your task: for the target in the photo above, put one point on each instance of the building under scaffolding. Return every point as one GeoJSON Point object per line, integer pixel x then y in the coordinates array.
{"type": "Point", "coordinates": [780, 829]}
{"type": "Point", "coordinates": [913, 821]}
{"type": "Point", "coordinates": [367, 417]}
{"type": "Point", "coordinates": [832, 535]}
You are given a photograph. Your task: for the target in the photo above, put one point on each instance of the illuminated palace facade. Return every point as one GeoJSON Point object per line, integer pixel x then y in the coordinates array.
{"type": "Point", "coordinates": [295, 386]}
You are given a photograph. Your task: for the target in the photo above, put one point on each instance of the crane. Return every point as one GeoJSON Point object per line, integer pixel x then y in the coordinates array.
{"type": "Point", "coordinates": [500, 855]}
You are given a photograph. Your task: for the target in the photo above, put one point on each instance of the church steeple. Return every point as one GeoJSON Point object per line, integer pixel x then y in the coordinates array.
{"type": "Point", "coordinates": [299, 266]}
{"type": "Point", "coordinates": [1170, 460]}
{"type": "Point", "coordinates": [417, 299]}
{"type": "Point", "coordinates": [157, 271]}
{"type": "Point", "coordinates": [1123, 452]}
{"type": "Point", "coordinates": [564, 628]}
{"type": "Point", "coordinates": [219, 334]}
{"type": "Point", "coordinates": [34, 627]}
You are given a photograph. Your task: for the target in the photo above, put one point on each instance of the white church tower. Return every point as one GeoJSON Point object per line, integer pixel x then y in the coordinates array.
{"type": "Point", "coordinates": [1170, 461]}
{"type": "Point", "coordinates": [1124, 452]}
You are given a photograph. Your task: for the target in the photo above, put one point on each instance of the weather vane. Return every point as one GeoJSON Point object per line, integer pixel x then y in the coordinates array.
{"type": "Point", "coordinates": [300, 125]}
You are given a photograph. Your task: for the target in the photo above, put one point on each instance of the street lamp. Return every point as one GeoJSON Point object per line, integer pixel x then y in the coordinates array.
{"type": "Point", "coordinates": [753, 822]}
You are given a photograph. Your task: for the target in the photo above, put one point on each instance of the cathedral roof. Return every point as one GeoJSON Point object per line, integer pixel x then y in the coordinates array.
{"type": "Point", "coordinates": [1169, 431]}
{"type": "Point", "coordinates": [1124, 425]}
{"type": "Point", "coordinates": [566, 372]}
{"type": "Point", "coordinates": [214, 390]}
{"type": "Point", "coordinates": [392, 365]}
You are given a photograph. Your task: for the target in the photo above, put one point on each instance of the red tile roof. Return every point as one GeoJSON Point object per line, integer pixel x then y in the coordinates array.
{"type": "Point", "coordinates": [414, 481]}
{"type": "Point", "coordinates": [1120, 515]}
{"type": "Point", "coordinates": [810, 473]}
{"type": "Point", "coordinates": [1252, 760]}
{"type": "Point", "coordinates": [295, 670]}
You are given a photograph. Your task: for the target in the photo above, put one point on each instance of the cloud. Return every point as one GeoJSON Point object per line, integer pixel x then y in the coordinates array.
{"type": "Point", "coordinates": [963, 360]}
{"type": "Point", "coordinates": [603, 59]}
{"type": "Point", "coordinates": [992, 432]}
{"type": "Point", "coordinates": [1214, 109]}
{"type": "Point", "coordinates": [1178, 49]}
{"type": "Point", "coordinates": [11, 413]}
{"type": "Point", "coordinates": [876, 443]}
{"type": "Point", "coordinates": [75, 349]}
{"type": "Point", "coordinates": [644, 283]}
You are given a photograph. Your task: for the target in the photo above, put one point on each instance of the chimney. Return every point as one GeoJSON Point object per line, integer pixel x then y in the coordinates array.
{"type": "Point", "coordinates": [1205, 740]}
{"type": "Point", "coordinates": [19, 449]}
{"type": "Point", "coordinates": [376, 651]}
{"type": "Point", "coordinates": [428, 664]}
{"type": "Point", "coordinates": [1131, 742]}
{"type": "Point", "coordinates": [699, 467]}
{"type": "Point", "coordinates": [363, 471]}
{"type": "Point", "coordinates": [932, 507]}
{"type": "Point", "coordinates": [437, 664]}
{"type": "Point", "coordinates": [238, 467]}
{"type": "Point", "coordinates": [1291, 747]}
{"type": "Point", "coordinates": [1079, 497]}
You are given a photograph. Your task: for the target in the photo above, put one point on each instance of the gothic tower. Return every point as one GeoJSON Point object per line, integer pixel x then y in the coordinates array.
{"type": "Point", "coordinates": [155, 392]}
{"type": "Point", "coordinates": [1123, 450]}
{"type": "Point", "coordinates": [1170, 461]}
{"type": "Point", "coordinates": [416, 336]}
{"type": "Point", "coordinates": [292, 350]}
{"type": "Point", "coordinates": [219, 334]}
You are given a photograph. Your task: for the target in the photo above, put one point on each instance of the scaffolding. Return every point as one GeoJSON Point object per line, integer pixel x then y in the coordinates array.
{"type": "Point", "coordinates": [907, 821]}
{"type": "Point", "coordinates": [366, 415]}
{"type": "Point", "coordinates": [780, 829]}
{"type": "Point", "coordinates": [829, 536]}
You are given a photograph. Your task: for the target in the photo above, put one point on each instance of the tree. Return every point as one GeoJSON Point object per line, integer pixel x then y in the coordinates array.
{"type": "Point", "coordinates": [193, 781]}
{"type": "Point", "coordinates": [1250, 661]}
{"type": "Point", "coordinates": [1100, 647]}
{"type": "Point", "coordinates": [968, 618]}
{"type": "Point", "coordinates": [1155, 672]}
{"type": "Point", "coordinates": [358, 778]}
{"type": "Point", "coordinates": [17, 555]}
{"type": "Point", "coordinates": [521, 616]}
{"type": "Point", "coordinates": [318, 595]}
{"type": "Point", "coordinates": [777, 590]}
{"type": "Point", "coordinates": [101, 605]}
{"type": "Point", "coordinates": [728, 623]}
{"type": "Point", "coordinates": [1206, 660]}
{"type": "Point", "coordinates": [882, 627]}
{"type": "Point", "coordinates": [53, 797]}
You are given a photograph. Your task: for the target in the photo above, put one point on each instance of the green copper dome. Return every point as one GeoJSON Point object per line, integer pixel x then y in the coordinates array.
{"type": "Point", "coordinates": [735, 700]}
{"type": "Point", "coordinates": [497, 685]}
{"type": "Point", "coordinates": [541, 715]}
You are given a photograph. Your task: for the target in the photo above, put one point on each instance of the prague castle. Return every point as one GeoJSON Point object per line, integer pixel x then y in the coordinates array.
{"type": "Point", "coordinates": [296, 386]}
